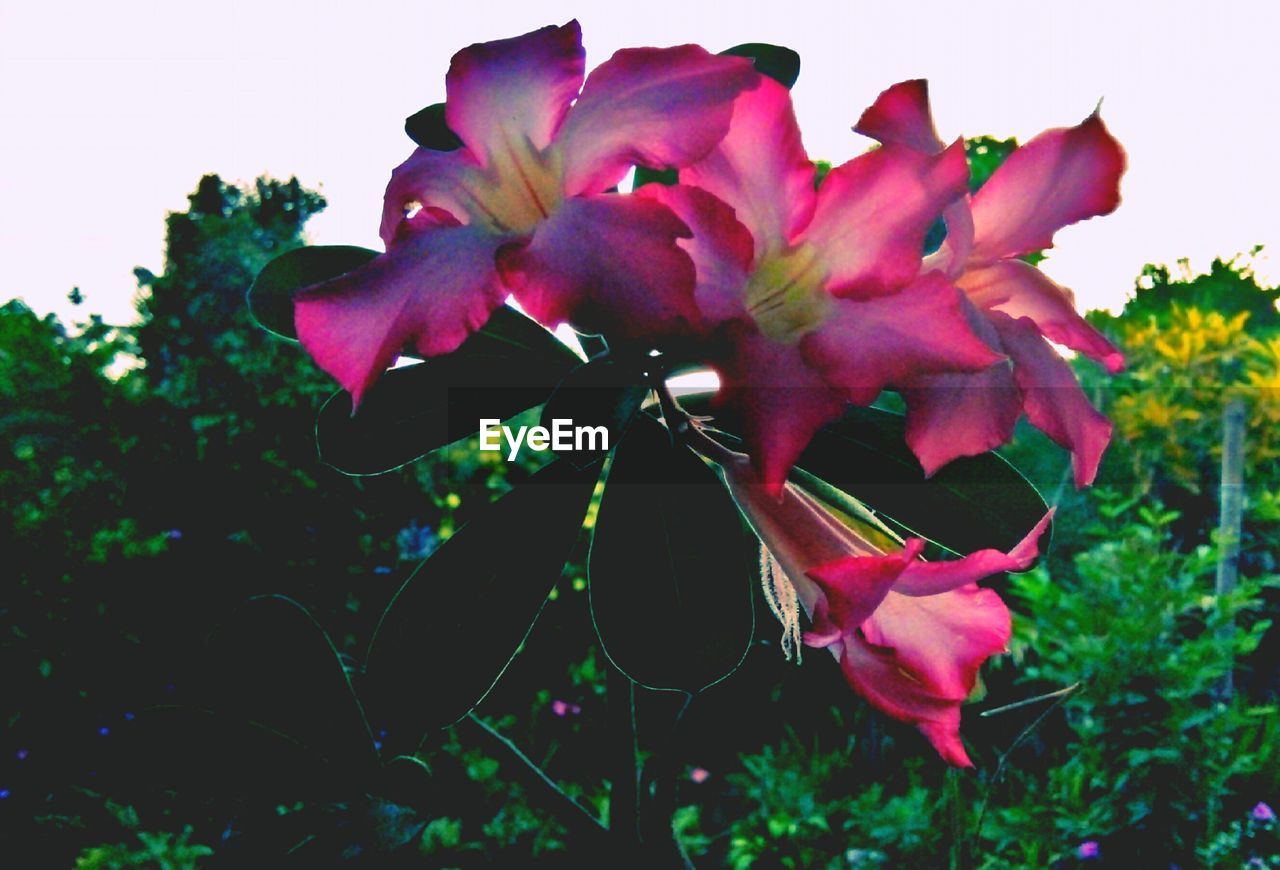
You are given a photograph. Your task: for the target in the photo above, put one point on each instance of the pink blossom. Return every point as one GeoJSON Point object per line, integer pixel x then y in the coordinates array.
{"type": "Point", "coordinates": [1058, 178]}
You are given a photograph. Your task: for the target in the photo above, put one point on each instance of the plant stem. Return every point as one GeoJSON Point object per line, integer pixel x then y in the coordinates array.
{"type": "Point", "coordinates": [577, 820]}
{"type": "Point", "coordinates": [624, 793]}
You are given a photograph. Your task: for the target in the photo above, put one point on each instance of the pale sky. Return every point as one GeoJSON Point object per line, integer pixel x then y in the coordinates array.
{"type": "Point", "coordinates": [112, 111]}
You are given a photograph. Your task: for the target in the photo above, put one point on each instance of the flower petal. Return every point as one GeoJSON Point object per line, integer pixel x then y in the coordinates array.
{"type": "Point", "coordinates": [721, 248]}
{"type": "Point", "coordinates": [873, 213]}
{"type": "Point", "coordinates": [1058, 178]}
{"type": "Point", "coordinates": [866, 346]}
{"type": "Point", "coordinates": [1052, 398]}
{"type": "Point", "coordinates": [761, 169]}
{"type": "Point", "coordinates": [934, 578]}
{"type": "Point", "coordinates": [609, 264]}
{"type": "Point", "coordinates": [958, 414]}
{"type": "Point", "coordinates": [853, 587]}
{"type": "Point", "coordinates": [901, 115]}
{"type": "Point", "coordinates": [780, 399]}
{"type": "Point", "coordinates": [504, 93]}
{"type": "Point", "coordinates": [656, 107]}
{"type": "Point", "coordinates": [434, 287]}
{"type": "Point", "coordinates": [878, 675]}
{"type": "Point", "coordinates": [1019, 289]}
{"type": "Point", "coordinates": [445, 180]}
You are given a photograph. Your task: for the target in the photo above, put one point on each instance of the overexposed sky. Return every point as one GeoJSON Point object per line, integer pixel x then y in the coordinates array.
{"type": "Point", "coordinates": [110, 112]}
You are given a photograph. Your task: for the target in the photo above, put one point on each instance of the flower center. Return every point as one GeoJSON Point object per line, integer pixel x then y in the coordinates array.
{"type": "Point", "coordinates": [520, 187]}
{"type": "Point", "coordinates": [785, 295]}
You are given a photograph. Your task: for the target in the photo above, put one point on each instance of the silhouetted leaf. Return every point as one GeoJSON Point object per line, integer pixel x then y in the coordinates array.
{"type": "Point", "coordinates": [275, 666]}
{"type": "Point", "coordinates": [670, 573]}
{"type": "Point", "coordinates": [271, 296]}
{"type": "Point", "coordinates": [600, 393]}
{"type": "Point", "coordinates": [455, 624]}
{"type": "Point", "coordinates": [510, 365]}
{"type": "Point", "coordinates": [775, 61]}
{"type": "Point", "coordinates": [971, 503]}
{"type": "Point", "coordinates": [428, 128]}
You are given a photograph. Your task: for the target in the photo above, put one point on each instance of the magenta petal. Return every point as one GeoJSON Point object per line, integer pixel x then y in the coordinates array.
{"type": "Point", "coordinates": [781, 400]}
{"type": "Point", "coordinates": [960, 414]}
{"type": "Point", "coordinates": [1052, 398]}
{"type": "Point", "coordinates": [430, 179]}
{"type": "Point", "coordinates": [609, 264]}
{"type": "Point", "coordinates": [1058, 178]}
{"type": "Point", "coordinates": [504, 93]}
{"type": "Point", "coordinates": [866, 346]}
{"type": "Point", "coordinates": [853, 587]}
{"type": "Point", "coordinates": [1019, 289]}
{"type": "Point", "coordinates": [879, 676]}
{"type": "Point", "coordinates": [721, 248]}
{"type": "Point", "coordinates": [901, 115]}
{"type": "Point", "coordinates": [761, 169]}
{"type": "Point", "coordinates": [656, 107]}
{"type": "Point", "coordinates": [432, 289]}
{"type": "Point", "coordinates": [934, 578]}
{"type": "Point", "coordinates": [874, 211]}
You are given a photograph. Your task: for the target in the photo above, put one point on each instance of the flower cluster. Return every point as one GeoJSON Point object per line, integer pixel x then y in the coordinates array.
{"type": "Point", "coordinates": [804, 297]}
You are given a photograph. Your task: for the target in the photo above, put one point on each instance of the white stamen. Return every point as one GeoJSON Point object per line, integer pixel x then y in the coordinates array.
{"type": "Point", "coordinates": [782, 600]}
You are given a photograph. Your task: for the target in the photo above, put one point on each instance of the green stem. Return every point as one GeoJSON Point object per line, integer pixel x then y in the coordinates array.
{"type": "Point", "coordinates": [577, 820]}
{"type": "Point", "coordinates": [624, 791]}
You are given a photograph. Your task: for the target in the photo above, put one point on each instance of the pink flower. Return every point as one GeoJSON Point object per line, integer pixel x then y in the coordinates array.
{"type": "Point", "coordinates": [522, 205]}
{"type": "Point", "coordinates": [699, 775]}
{"type": "Point", "coordinates": [815, 295]}
{"type": "Point", "coordinates": [910, 635]}
{"type": "Point", "coordinates": [1058, 178]}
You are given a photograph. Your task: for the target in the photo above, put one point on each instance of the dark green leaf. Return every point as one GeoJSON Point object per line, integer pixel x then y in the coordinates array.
{"type": "Point", "coordinates": [600, 393]}
{"type": "Point", "coordinates": [271, 296]}
{"type": "Point", "coordinates": [510, 365]}
{"type": "Point", "coordinates": [670, 573]}
{"type": "Point", "coordinates": [778, 63]}
{"type": "Point", "coordinates": [971, 503]}
{"type": "Point", "coordinates": [429, 129]}
{"type": "Point", "coordinates": [455, 624]}
{"type": "Point", "coordinates": [274, 665]}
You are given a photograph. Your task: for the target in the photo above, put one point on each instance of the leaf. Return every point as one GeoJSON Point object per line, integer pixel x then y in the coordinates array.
{"type": "Point", "coordinates": [429, 129]}
{"type": "Point", "coordinates": [271, 296]}
{"type": "Point", "coordinates": [775, 61]}
{"type": "Point", "coordinates": [670, 577]}
{"type": "Point", "coordinates": [508, 366]}
{"type": "Point", "coordinates": [453, 627]}
{"type": "Point", "coordinates": [645, 175]}
{"type": "Point", "coordinates": [971, 503]}
{"type": "Point", "coordinates": [275, 666]}
{"type": "Point", "coordinates": [602, 393]}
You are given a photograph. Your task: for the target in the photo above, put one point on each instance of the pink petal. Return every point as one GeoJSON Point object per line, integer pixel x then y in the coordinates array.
{"type": "Point", "coordinates": [506, 93]}
{"type": "Point", "coordinates": [761, 169]}
{"type": "Point", "coordinates": [433, 288]}
{"type": "Point", "coordinates": [874, 211]}
{"type": "Point", "coordinates": [1058, 178]}
{"type": "Point", "coordinates": [866, 346]}
{"type": "Point", "coordinates": [901, 115]}
{"type": "Point", "coordinates": [934, 578]}
{"type": "Point", "coordinates": [780, 399]}
{"type": "Point", "coordinates": [1021, 290]}
{"type": "Point", "coordinates": [656, 107]}
{"type": "Point", "coordinates": [431, 179]}
{"type": "Point", "coordinates": [878, 676]}
{"type": "Point", "coordinates": [942, 640]}
{"type": "Point", "coordinates": [956, 414]}
{"type": "Point", "coordinates": [853, 587]}
{"type": "Point", "coordinates": [1052, 398]}
{"type": "Point", "coordinates": [609, 264]}
{"type": "Point", "coordinates": [960, 414]}
{"type": "Point", "coordinates": [721, 248]}
{"type": "Point", "coordinates": [797, 530]}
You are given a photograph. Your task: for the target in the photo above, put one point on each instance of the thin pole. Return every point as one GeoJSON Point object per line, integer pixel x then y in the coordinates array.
{"type": "Point", "coordinates": [1230, 517]}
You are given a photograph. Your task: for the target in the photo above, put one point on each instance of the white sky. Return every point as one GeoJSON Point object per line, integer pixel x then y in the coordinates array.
{"type": "Point", "coordinates": [112, 111]}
